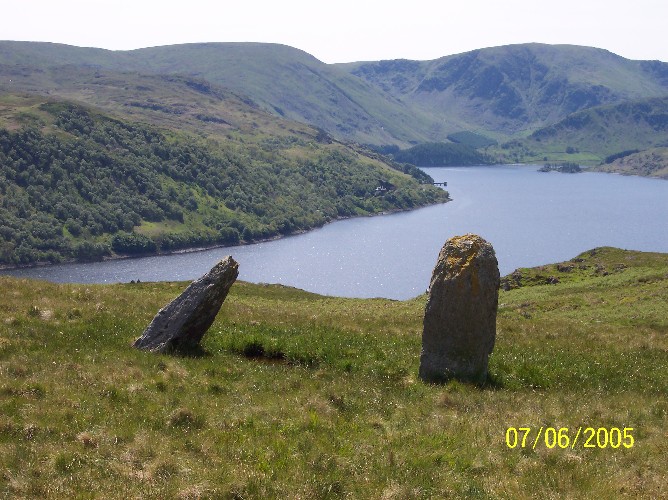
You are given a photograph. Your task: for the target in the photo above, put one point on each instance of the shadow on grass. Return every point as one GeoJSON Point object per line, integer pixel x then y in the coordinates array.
{"type": "Point", "coordinates": [256, 351]}
{"type": "Point", "coordinates": [491, 382]}
{"type": "Point", "coordinates": [188, 351]}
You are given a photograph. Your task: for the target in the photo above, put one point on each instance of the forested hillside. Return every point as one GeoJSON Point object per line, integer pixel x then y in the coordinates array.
{"type": "Point", "coordinates": [439, 154]}
{"type": "Point", "coordinates": [85, 185]}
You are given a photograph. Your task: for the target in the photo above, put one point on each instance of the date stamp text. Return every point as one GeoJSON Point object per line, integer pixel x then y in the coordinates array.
{"type": "Point", "coordinates": [569, 437]}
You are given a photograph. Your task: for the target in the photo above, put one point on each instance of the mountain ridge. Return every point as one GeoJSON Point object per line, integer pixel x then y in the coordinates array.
{"type": "Point", "coordinates": [494, 76]}
{"type": "Point", "coordinates": [504, 92]}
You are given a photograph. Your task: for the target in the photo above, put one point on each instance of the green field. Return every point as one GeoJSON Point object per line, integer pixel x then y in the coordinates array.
{"type": "Point", "coordinates": [297, 395]}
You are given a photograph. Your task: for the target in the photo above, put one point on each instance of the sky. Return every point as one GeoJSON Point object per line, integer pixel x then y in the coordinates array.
{"type": "Point", "coordinates": [346, 30]}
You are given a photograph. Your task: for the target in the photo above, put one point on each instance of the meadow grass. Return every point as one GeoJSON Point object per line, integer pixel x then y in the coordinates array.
{"type": "Point", "coordinates": [297, 395]}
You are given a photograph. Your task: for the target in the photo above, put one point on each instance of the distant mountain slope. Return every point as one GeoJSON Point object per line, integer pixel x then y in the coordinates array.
{"type": "Point", "coordinates": [171, 101]}
{"type": "Point", "coordinates": [596, 133]}
{"type": "Point", "coordinates": [501, 92]}
{"type": "Point", "coordinates": [44, 54]}
{"type": "Point", "coordinates": [285, 81]}
{"type": "Point", "coordinates": [296, 85]}
{"type": "Point", "coordinates": [613, 127]}
{"type": "Point", "coordinates": [518, 87]}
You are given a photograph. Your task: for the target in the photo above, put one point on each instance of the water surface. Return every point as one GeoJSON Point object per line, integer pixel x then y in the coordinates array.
{"type": "Point", "coordinates": [531, 218]}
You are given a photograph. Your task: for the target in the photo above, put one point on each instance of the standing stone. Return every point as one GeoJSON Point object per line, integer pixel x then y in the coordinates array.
{"type": "Point", "coordinates": [182, 323]}
{"type": "Point", "coordinates": [460, 316]}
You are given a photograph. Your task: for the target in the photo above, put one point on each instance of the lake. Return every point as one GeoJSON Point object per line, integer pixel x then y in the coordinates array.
{"type": "Point", "coordinates": [531, 218]}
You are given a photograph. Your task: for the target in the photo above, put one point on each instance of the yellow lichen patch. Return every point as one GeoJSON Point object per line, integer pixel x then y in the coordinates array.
{"type": "Point", "coordinates": [467, 249]}
{"type": "Point", "coordinates": [453, 264]}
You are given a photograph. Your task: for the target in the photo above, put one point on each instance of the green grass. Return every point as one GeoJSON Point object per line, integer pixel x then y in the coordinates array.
{"type": "Point", "coordinates": [303, 396]}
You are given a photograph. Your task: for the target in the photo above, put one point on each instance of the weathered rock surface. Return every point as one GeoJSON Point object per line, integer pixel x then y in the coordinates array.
{"type": "Point", "coordinates": [182, 323]}
{"type": "Point", "coordinates": [460, 316]}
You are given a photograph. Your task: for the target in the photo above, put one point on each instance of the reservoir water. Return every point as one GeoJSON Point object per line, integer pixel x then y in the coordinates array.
{"type": "Point", "coordinates": [531, 218]}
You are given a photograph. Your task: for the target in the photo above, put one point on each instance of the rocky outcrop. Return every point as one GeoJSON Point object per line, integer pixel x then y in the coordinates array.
{"type": "Point", "coordinates": [181, 324]}
{"type": "Point", "coordinates": [460, 316]}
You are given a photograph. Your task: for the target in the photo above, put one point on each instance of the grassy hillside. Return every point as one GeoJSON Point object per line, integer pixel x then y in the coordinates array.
{"type": "Point", "coordinates": [43, 54]}
{"type": "Point", "coordinates": [306, 396]}
{"type": "Point", "coordinates": [168, 101]}
{"type": "Point", "coordinates": [282, 80]}
{"type": "Point", "coordinates": [594, 134]}
{"type": "Point", "coordinates": [294, 84]}
{"type": "Point", "coordinates": [76, 183]}
{"type": "Point", "coordinates": [501, 92]}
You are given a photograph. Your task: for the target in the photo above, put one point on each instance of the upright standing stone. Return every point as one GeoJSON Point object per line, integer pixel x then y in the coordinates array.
{"type": "Point", "coordinates": [460, 316]}
{"type": "Point", "coordinates": [182, 323]}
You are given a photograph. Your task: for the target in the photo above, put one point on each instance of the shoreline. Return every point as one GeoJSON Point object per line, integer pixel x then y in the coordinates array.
{"type": "Point", "coordinates": [11, 267]}
{"type": "Point", "coordinates": [187, 250]}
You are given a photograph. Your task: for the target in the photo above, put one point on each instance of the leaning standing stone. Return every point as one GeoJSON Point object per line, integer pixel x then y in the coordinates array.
{"type": "Point", "coordinates": [460, 316]}
{"type": "Point", "coordinates": [182, 323]}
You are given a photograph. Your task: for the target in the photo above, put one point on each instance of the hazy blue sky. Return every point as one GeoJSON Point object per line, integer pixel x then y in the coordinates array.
{"type": "Point", "coordinates": [346, 30]}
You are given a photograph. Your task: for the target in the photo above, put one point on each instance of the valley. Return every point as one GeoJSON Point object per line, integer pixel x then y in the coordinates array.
{"type": "Point", "coordinates": [321, 137]}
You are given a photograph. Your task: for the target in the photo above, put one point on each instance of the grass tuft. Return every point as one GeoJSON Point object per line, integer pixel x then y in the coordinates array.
{"type": "Point", "coordinates": [185, 418]}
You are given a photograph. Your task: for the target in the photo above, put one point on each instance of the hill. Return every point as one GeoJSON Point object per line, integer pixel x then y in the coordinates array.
{"type": "Point", "coordinates": [282, 80]}
{"type": "Point", "coordinates": [499, 92]}
{"type": "Point", "coordinates": [293, 84]}
{"type": "Point", "coordinates": [517, 88]}
{"type": "Point", "coordinates": [652, 162]}
{"type": "Point", "coordinates": [301, 395]}
{"type": "Point", "coordinates": [79, 184]}
{"type": "Point", "coordinates": [595, 134]}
